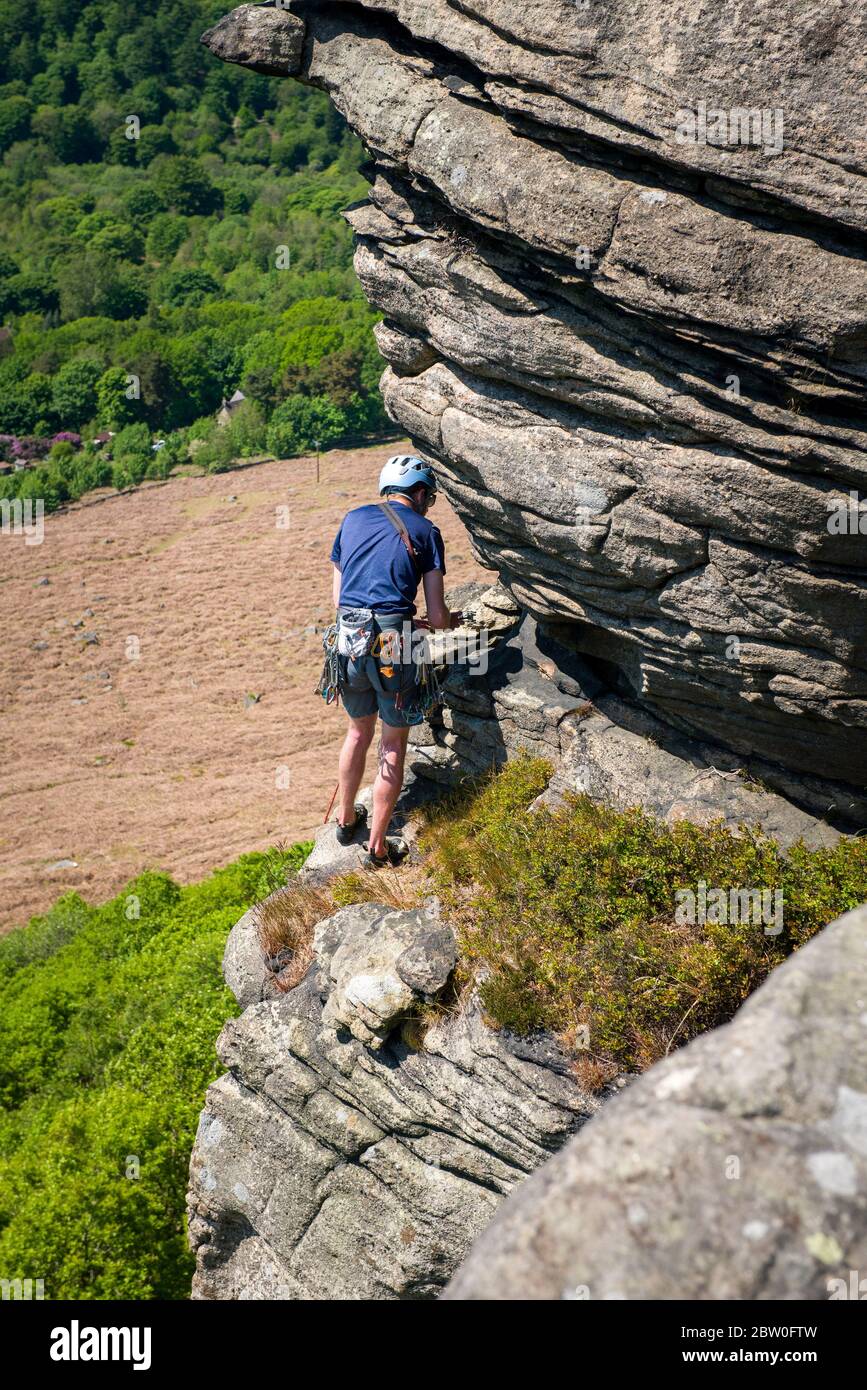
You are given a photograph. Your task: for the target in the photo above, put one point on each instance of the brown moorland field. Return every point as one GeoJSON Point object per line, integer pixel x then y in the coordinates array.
{"type": "Point", "coordinates": [131, 738]}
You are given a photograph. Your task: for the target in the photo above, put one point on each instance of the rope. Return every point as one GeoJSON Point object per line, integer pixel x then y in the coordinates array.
{"type": "Point", "coordinates": [331, 802]}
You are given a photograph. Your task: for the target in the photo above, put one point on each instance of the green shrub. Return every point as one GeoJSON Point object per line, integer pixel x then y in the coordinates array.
{"type": "Point", "coordinates": [575, 915]}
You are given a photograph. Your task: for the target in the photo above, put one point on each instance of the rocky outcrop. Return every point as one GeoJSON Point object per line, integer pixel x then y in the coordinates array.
{"type": "Point", "coordinates": [735, 1169]}
{"type": "Point", "coordinates": [619, 254]}
{"type": "Point", "coordinates": [336, 1159]}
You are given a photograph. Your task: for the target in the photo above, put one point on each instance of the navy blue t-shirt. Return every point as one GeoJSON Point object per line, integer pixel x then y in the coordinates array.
{"type": "Point", "coordinates": [375, 569]}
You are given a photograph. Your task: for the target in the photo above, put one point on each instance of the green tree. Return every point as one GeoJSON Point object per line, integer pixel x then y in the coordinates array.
{"type": "Point", "coordinates": [167, 232]}
{"type": "Point", "coordinates": [153, 141]}
{"type": "Point", "coordinates": [302, 420]}
{"type": "Point", "coordinates": [24, 294]}
{"type": "Point", "coordinates": [114, 405]}
{"type": "Point", "coordinates": [69, 132]}
{"type": "Point", "coordinates": [74, 393]}
{"type": "Point", "coordinates": [23, 405]}
{"type": "Point", "coordinates": [120, 148]}
{"type": "Point", "coordinates": [94, 283]}
{"type": "Point", "coordinates": [183, 185]}
{"type": "Point", "coordinates": [61, 214]}
{"type": "Point", "coordinates": [15, 113]}
{"type": "Point", "coordinates": [141, 205]}
{"type": "Point", "coordinates": [187, 287]}
{"type": "Point", "coordinates": [120, 240]}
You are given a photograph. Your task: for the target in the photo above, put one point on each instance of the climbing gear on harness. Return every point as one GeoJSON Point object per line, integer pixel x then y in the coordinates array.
{"type": "Point", "coordinates": [430, 694]}
{"type": "Point", "coordinates": [382, 651]}
{"type": "Point", "coordinates": [406, 471]}
{"type": "Point", "coordinates": [404, 535]}
{"type": "Point", "coordinates": [395, 853]}
{"type": "Point", "coordinates": [329, 681]}
{"type": "Point", "coordinates": [350, 638]}
{"type": "Point", "coordinates": [346, 833]}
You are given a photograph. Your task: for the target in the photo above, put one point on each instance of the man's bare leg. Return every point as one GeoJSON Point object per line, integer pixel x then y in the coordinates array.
{"type": "Point", "coordinates": [386, 788]}
{"type": "Point", "coordinates": [359, 737]}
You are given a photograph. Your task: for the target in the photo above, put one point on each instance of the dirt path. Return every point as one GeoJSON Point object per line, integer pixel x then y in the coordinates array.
{"type": "Point", "coordinates": [143, 749]}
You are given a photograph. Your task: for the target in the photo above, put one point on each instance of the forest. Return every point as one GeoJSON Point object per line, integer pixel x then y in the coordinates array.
{"type": "Point", "coordinates": [171, 236]}
{"type": "Point", "coordinates": [108, 1021]}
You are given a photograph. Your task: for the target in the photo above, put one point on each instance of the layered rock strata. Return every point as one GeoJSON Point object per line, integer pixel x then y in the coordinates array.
{"type": "Point", "coordinates": [335, 1159]}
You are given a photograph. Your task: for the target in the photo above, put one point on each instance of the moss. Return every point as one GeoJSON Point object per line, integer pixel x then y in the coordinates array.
{"type": "Point", "coordinates": [573, 913]}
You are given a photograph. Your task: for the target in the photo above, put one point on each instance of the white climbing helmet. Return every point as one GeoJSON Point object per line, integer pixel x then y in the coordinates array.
{"type": "Point", "coordinates": [406, 471]}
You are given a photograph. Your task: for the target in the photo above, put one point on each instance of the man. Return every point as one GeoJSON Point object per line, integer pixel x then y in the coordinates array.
{"type": "Point", "coordinates": [378, 568]}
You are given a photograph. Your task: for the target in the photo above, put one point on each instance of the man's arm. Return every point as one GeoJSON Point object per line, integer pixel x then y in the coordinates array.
{"type": "Point", "coordinates": [434, 596]}
{"type": "Point", "coordinates": [335, 586]}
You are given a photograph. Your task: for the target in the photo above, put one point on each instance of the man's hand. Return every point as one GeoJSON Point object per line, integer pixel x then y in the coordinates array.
{"type": "Point", "coordinates": [438, 616]}
{"type": "Point", "coordinates": [425, 626]}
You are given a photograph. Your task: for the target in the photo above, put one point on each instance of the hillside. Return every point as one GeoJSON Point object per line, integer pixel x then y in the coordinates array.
{"type": "Point", "coordinates": [170, 236]}
{"type": "Point", "coordinates": [601, 1034]}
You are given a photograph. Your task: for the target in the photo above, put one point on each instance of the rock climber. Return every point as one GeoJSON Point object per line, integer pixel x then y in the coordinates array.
{"type": "Point", "coordinates": [381, 554]}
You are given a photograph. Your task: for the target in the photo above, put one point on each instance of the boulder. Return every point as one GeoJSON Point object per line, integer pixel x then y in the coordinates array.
{"type": "Point", "coordinates": [735, 1169]}
{"type": "Point", "coordinates": [380, 964]}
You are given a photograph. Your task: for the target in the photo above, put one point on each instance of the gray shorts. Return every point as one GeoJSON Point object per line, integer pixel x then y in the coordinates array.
{"type": "Point", "coordinates": [368, 686]}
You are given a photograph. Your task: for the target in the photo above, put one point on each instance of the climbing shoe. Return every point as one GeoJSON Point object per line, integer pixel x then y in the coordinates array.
{"type": "Point", "coordinates": [395, 853]}
{"type": "Point", "coordinates": [346, 833]}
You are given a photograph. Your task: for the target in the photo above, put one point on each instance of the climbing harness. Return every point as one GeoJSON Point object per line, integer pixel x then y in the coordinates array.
{"type": "Point", "coordinates": [381, 652]}
{"type": "Point", "coordinates": [355, 636]}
